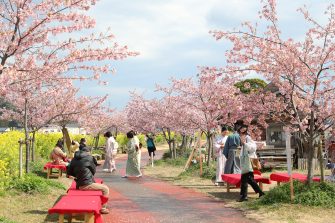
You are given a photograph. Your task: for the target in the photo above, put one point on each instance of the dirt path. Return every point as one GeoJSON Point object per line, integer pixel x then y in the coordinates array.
{"type": "Point", "coordinates": [150, 200]}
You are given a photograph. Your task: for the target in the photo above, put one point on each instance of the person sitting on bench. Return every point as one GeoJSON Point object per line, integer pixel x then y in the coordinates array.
{"type": "Point", "coordinates": [82, 168]}
{"type": "Point", "coordinates": [57, 155]}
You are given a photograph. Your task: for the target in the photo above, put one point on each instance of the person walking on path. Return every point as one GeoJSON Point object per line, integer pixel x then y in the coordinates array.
{"type": "Point", "coordinates": [220, 158]}
{"type": "Point", "coordinates": [248, 151]}
{"type": "Point", "coordinates": [111, 151]}
{"type": "Point", "coordinates": [230, 151]}
{"type": "Point", "coordinates": [151, 146]}
{"type": "Point", "coordinates": [83, 168]}
{"type": "Point", "coordinates": [134, 157]}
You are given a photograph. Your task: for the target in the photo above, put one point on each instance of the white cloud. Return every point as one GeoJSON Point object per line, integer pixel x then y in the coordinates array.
{"type": "Point", "coordinates": [172, 35]}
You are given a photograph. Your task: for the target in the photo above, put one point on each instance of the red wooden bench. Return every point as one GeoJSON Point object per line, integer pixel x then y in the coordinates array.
{"type": "Point", "coordinates": [49, 166]}
{"type": "Point", "coordinates": [89, 206]}
{"type": "Point", "coordinates": [235, 179]}
{"type": "Point", "coordinates": [284, 177]}
{"type": "Point", "coordinates": [88, 193]}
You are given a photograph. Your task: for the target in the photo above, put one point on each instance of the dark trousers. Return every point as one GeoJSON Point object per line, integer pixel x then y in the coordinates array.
{"type": "Point", "coordinates": [151, 150]}
{"type": "Point", "coordinates": [248, 178]}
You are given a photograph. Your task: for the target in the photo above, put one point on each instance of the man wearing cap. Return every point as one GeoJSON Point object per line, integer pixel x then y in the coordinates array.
{"type": "Point", "coordinates": [230, 151]}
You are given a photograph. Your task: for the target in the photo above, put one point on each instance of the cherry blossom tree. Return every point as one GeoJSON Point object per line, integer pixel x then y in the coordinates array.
{"type": "Point", "coordinates": [163, 115]}
{"type": "Point", "coordinates": [43, 44]}
{"type": "Point", "coordinates": [302, 70]}
{"type": "Point", "coordinates": [57, 105]}
{"type": "Point", "coordinates": [43, 40]}
{"type": "Point", "coordinates": [102, 120]}
{"type": "Point", "coordinates": [209, 101]}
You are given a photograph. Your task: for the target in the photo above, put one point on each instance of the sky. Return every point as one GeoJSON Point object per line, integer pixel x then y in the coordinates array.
{"type": "Point", "coordinates": [172, 37]}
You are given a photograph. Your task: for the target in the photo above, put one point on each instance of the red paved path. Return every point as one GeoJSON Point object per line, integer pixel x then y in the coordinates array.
{"type": "Point", "coordinates": [148, 200]}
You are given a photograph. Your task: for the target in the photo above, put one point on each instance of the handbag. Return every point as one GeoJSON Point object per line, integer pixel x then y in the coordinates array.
{"type": "Point", "coordinates": [255, 164]}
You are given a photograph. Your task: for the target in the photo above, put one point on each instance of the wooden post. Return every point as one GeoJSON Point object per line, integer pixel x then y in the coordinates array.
{"type": "Point", "coordinates": [20, 157]}
{"type": "Point", "coordinates": [321, 162]}
{"type": "Point", "coordinates": [192, 153]}
{"type": "Point", "coordinates": [289, 165]}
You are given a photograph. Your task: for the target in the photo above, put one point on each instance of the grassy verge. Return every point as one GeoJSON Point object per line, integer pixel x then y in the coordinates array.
{"type": "Point", "coordinates": [28, 199]}
{"type": "Point", "coordinates": [172, 171]}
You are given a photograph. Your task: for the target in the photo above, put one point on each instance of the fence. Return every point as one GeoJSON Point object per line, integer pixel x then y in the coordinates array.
{"type": "Point", "coordinates": [302, 164]}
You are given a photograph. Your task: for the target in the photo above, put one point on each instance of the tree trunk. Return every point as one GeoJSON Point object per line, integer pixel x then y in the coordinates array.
{"type": "Point", "coordinates": [321, 162]}
{"type": "Point", "coordinates": [170, 143]}
{"type": "Point", "coordinates": [310, 150]}
{"type": "Point", "coordinates": [174, 148]}
{"type": "Point", "coordinates": [66, 138]}
{"type": "Point", "coordinates": [33, 147]}
{"type": "Point", "coordinates": [97, 141]}
{"type": "Point", "coordinates": [167, 139]}
{"type": "Point", "coordinates": [212, 147]}
{"type": "Point", "coordinates": [26, 133]}
{"type": "Point", "coordinates": [209, 149]}
{"type": "Point", "coordinates": [191, 142]}
{"type": "Point", "coordinates": [183, 140]}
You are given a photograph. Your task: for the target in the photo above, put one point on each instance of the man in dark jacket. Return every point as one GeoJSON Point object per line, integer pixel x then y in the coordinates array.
{"type": "Point", "coordinates": [82, 167]}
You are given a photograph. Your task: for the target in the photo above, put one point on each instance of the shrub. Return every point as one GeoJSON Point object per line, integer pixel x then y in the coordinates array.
{"type": "Point", "coordinates": [209, 172]}
{"type": "Point", "coordinates": [159, 139]}
{"type": "Point", "coordinates": [31, 183]}
{"type": "Point", "coordinates": [317, 194]}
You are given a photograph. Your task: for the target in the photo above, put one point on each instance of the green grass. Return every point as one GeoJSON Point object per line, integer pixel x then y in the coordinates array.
{"type": "Point", "coordinates": [32, 183]}
{"type": "Point", "coordinates": [5, 220]}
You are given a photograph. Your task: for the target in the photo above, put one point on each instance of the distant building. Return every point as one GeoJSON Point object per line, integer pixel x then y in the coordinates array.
{"type": "Point", "coordinates": [4, 129]}
{"type": "Point", "coordinates": [73, 128]}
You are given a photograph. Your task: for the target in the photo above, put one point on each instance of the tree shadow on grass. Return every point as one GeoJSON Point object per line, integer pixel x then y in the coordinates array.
{"type": "Point", "coordinates": [49, 217]}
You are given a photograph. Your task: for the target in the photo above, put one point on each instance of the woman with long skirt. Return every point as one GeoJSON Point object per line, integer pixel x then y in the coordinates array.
{"type": "Point", "coordinates": [134, 156]}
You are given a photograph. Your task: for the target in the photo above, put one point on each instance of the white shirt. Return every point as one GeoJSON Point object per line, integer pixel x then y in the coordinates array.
{"type": "Point", "coordinates": [220, 140]}
{"type": "Point", "coordinates": [110, 146]}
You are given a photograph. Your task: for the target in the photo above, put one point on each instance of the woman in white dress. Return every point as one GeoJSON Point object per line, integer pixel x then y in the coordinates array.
{"type": "Point", "coordinates": [111, 151]}
{"type": "Point", "coordinates": [220, 158]}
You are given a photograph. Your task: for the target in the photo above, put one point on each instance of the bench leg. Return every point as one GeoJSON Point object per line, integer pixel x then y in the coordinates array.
{"type": "Point", "coordinates": [70, 218]}
{"type": "Point", "coordinates": [278, 183]}
{"type": "Point", "coordinates": [89, 218]}
{"type": "Point", "coordinates": [48, 173]}
{"type": "Point", "coordinates": [59, 173]}
{"type": "Point", "coordinates": [61, 218]}
{"type": "Point", "coordinates": [228, 187]}
{"type": "Point", "coordinates": [261, 185]}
